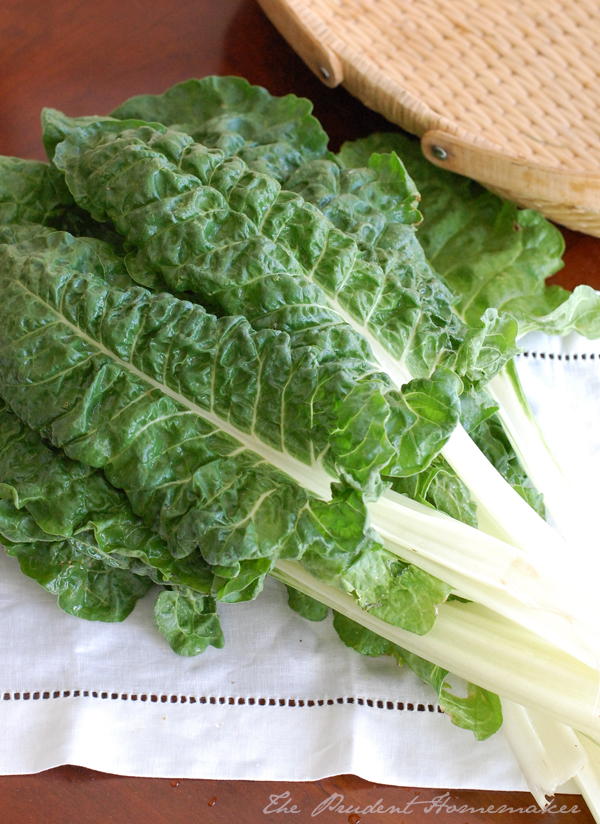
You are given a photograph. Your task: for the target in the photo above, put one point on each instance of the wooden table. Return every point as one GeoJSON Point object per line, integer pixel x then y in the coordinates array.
{"type": "Point", "coordinates": [87, 56]}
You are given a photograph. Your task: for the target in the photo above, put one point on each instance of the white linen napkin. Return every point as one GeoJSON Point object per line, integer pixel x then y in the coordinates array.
{"type": "Point", "coordinates": [284, 700]}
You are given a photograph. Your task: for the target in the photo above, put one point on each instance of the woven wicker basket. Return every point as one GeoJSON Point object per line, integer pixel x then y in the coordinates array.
{"type": "Point", "coordinates": [504, 91]}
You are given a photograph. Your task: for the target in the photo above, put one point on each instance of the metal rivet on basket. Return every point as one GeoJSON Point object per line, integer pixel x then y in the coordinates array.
{"type": "Point", "coordinates": [324, 72]}
{"type": "Point", "coordinates": [439, 152]}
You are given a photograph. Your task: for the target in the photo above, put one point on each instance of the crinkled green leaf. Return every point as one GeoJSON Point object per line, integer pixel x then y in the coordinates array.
{"type": "Point", "coordinates": [374, 203]}
{"type": "Point", "coordinates": [440, 487]}
{"type": "Point", "coordinates": [188, 621]}
{"type": "Point", "coordinates": [166, 399]}
{"type": "Point", "coordinates": [363, 640]}
{"type": "Point", "coordinates": [307, 607]}
{"type": "Point", "coordinates": [108, 560]}
{"type": "Point", "coordinates": [271, 134]}
{"type": "Point", "coordinates": [243, 581]}
{"type": "Point", "coordinates": [388, 588]}
{"type": "Point", "coordinates": [496, 244]}
{"type": "Point", "coordinates": [85, 586]}
{"type": "Point", "coordinates": [18, 526]}
{"type": "Point", "coordinates": [107, 364]}
{"type": "Point", "coordinates": [206, 223]}
{"type": "Point", "coordinates": [578, 311]}
{"type": "Point", "coordinates": [386, 222]}
{"type": "Point", "coordinates": [65, 498]}
{"type": "Point", "coordinates": [485, 428]}
{"type": "Point", "coordinates": [398, 593]}
{"type": "Point", "coordinates": [95, 256]}
{"type": "Point", "coordinates": [243, 265]}
{"type": "Point", "coordinates": [490, 253]}
{"type": "Point", "coordinates": [479, 711]}
{"type": "Point", "coordinates": [28, 196]}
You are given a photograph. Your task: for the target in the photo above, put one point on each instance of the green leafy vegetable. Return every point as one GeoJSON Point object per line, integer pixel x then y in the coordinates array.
{"type": "Point", "coordinates": [67, 499]}
{"type": "Point", "coordinates": [271, 134]}
{"type": "Point", "coordinates": [99, 160]}
{"type": "Point", "coordinates": [228, 259]}
{"type": "Point", "coordinates": [188, 621]}
{"type": "Point", "coordinates": [490, 253]}
{"type": "Point", "coordinates": [205, 223]}
{"type": "Point", "coordinates": [229, 433]}
{"type": "Point", "coordinates": [495, 255]}
{"type": "Point", "coordinates": [165, 398]}
{"type": "Point", "coordinates": [76, 535]}
{"type": "Point", "coordinates": [85, 585]}
{"type": "Point", "coordinates": [440, 487]}
{"type": "Point", "coordinates": [307, 607]}
{"type": "Point", "coordinates": [28, 195]}
{"type": "Point", "coordinates": [479, 711]}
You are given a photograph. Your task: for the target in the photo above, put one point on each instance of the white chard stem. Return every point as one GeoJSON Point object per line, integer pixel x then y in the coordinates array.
{"type": "Point", "coordinates": [567, 508]}
{"type": "Point", "coordinates": [548, 753]}
{"type": "Point", "coordinates": [484, 648]}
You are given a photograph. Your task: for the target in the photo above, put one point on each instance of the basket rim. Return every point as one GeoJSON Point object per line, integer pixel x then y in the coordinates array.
{"type": "Point", "coordinates": [566, 194]}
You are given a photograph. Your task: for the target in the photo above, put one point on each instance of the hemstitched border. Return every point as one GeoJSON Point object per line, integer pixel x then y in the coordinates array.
{"type": "Point", "coordinates": [560, 356]}
{"type": "Point", "coordinates": [400, 706]}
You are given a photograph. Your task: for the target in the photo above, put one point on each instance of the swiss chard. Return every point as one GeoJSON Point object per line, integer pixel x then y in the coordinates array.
{"type": "Point", "coordinates": [271, 134]}
{"type": "Point", "coordinates": [166, 399]}
{"type": "Point", "coordinates": [206, 223]}
{"type": "Point", "coordinates": [495, 255]}
{"type": "Point", "coordinates": [76, 535]}
{"type": "Point", "coordinates": [342, 307]}
{"type": "Point", "coordinates": [479, 711]}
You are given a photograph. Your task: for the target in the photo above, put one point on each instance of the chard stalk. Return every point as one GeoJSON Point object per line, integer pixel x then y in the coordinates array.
{"type": "Point", "coordinates": [312, 267]}
{"type": "Point", "coordinates": [548, 752]}
{"type": "Point", "coordinates": [482, 568]}
{"type": "Point", "coordinates": [566, 506]}
{"type": "Point", "coordinates": [476, 644]}
{"type": "Point", "coordinates": [588, 777]}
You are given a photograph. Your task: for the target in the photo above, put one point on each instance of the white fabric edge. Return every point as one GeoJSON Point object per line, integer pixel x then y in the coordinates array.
{"type": "Point", "coordinates": [221, 742]}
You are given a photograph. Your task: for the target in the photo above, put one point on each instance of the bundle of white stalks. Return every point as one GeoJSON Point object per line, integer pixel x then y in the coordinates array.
{"type": "Point", "coordinates": [550, 754]}
{"type": "Point", "coordinates": [485, 648]}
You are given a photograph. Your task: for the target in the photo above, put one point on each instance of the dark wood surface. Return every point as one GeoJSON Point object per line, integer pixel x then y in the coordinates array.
{"type": "Point", "coordinates": [86, 57]}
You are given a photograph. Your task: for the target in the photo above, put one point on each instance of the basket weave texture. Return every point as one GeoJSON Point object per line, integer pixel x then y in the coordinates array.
{"type": "Point", "coordinates": [519, 78]}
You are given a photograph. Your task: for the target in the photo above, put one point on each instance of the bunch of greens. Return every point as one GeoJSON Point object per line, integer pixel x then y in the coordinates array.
{"type": "Point", "coordinates": [240, 332]}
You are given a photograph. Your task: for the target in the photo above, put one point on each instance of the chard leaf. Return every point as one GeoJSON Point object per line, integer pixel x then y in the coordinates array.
{"type": "Point", "coordinates": [108, 559]}
{"type": "Point", "coordinates": [18, 526]}
{"type": "Point", "coordinates": [166, 399]}
{"type": "Point", "coordinates": [64, 498]}
{"type": "Point", "coordinates": [489, 351]}
{"type": "Point", "coordinates": [241, 264]}
{"type": "Point", "coordinates": [307, 607]}
{"type": "Point", "coordinates": [363, 640]}
{"type": "Point", "coordinates": [386, 587]}
{"type": "Point", "coordinates": [28, 196]}
{"type": "Point", "coordinates": [479, 711]}
{"type": "Point", "coordinates": [490, 253]}
{"type": "Point", "coordinates": [207, 224]}
{"type": "Point", "coordinates": [557, 313]}
{"type": "Point", "coordinates": [486, 430]}
{"type": "Point", "coordinates": [381, 584]}
{"type": "Point", "coordinates": [85, 586]}
{"type": "Point", "coordinates": [95, 256]}
{"type": "Point", "coordinates": [188, 621]}
{"type": "Point", "coordinates": [271, 134]}
{"type": "Point", "coordinates": [440, 487]}
{"type": "Point", "coordinates": [375, 204]}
